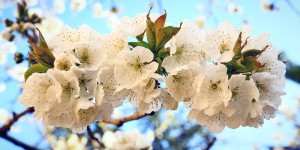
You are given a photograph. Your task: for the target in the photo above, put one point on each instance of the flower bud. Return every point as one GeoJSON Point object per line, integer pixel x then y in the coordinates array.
{"type": "Point", "coordinates": [18, 57]}
{"type": "Point", "coordinates": [8, 22]}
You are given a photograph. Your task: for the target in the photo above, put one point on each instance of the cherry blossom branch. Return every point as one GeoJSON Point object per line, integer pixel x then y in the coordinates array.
{"type": "Point", "coordinates": [17, 142]}
{"type": "Point", "coordinates": [92, 137]}
{"type": "Point", "coordinates": [121, 121]}
{"type": "Point", "coordinates": [15, 118]}
{"type": "Point", "coordinates": [210, 143]}
{"type": "Point", "coordinates": [5, 128]}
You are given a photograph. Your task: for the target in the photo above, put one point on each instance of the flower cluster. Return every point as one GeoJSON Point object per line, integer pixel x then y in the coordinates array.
{"type": "Point", "coordinates": [224, 76]}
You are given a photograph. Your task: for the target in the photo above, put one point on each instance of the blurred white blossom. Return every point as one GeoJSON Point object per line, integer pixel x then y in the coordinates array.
{"type": "Point", "coordinates": [50, 26]}
{"type": "Point", "coordinates": [4, 116]}
{"type": "Point", "coordinates": [98, 10]}
{"type": "Point", "coordinates": [128, 140]}
{"type": "Point", "coordinates": [78, 5]}
{"type": "Point", "coordinates": [17, 72]}
{"type": "Point", "coordinates": [2, 87]}
{"type": "Point", "coordinates": [59, 6]}
{"type": "Point", "coordinates": [3, 58]}
{"type": "Point", "coordinates": [31, 2]}
{"type": "Point", "coordinates": [38, 11]}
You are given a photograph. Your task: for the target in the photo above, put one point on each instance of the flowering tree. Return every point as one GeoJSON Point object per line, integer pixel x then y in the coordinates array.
{"type": "Point", "coordinates": [225, 77]}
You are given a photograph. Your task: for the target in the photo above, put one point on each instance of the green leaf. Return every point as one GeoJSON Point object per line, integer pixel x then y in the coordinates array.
{"type": "Point", "coordinates": [160, 22]}
{"type": "Point", "coordinates": [160, 34]}
{"type": "Point", "coordinates": [238, 45]}
{"type": "Point", "coordinates": [41, 52]}
{"type": "Point", "coordinates": [169, 32]}
{"type": "Point", "coordinates": [150, 31]}
{"type": "Point", "coordinates": [36, 68]}
{"type": "Point", "coordinates": [41, 55]}
{"type": "Point", "coordinates": [42, 42]}
{"type": "Point", "coordinates": [142, 43]}
{"type": "Point", "coordinates": [141, 36]}
{"type": "Point", "coordinates": [252, 53]}
{"type": "Point", "coordinates": [252, 64]}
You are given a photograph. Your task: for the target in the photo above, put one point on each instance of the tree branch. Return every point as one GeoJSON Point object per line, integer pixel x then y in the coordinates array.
{"type": "Point", "coordinates": [92, 137]}
{"type": "Point", "coordinates": [121, 121]}
{"type": "Point", "coordinates": [17, 142]}
{"type": "Point", "coordinates": [5, 128]}
{"type": "Point", "coordinates": [15, 118]}
{"type": "Point", "coordinates": [210, 143]}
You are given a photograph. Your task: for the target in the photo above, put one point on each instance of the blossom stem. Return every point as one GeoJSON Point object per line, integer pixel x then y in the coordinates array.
{"type": "Point", "coordinates": [121, 121]}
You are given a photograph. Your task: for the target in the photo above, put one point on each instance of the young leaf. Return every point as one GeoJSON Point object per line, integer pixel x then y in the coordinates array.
{"type": "Point", "coordinates": [36, 68]}
{"type": "Point", "coordinates": [141, 36]}
{"type": "Point", "coordinates": [150, 31]}
{"type": "Point", "coordinates": [43, 56]}
{"type": "Point", "coordinates": [41, 52]}
{"type": "Point", "coordinates": [142, 43]}
{"type": "Point", "coordinates": [42, 42]}
{"type": "Point", "coordinates": [169, 32]}
{"type": "Point", "coordinates": [252, 53]}
{"type": "Point", "coordinates": [238, 45]}
{"type": "Point", "coordinates": [160, 22]}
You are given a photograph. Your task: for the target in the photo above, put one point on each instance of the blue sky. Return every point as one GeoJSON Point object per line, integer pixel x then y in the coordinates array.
{"type": "Point", "coordinates": [283, 25]}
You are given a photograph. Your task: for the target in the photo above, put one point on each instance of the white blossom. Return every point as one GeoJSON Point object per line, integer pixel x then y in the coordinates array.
{"type": "Point", "coordinates": [88, 55]}
{"type": "Point", "coordinates": [78, 5]}
{"type": "Point", "coordinates": [3, 58]}
{"type": "Point", "coordinates": [2, 87]}
{"type": "Point", "coordinates": [134, 66]}
{"type": "Point", "coordinates": [69, 36]}
{"type": "Point", "coordinates": [268, 58]}
{"type": "Point", "coordinates": [98, 11]}
{"type": "Point", "coordinates": [114, 43]}
{"type": "Point", "coordinates": [73, 142]}
{"type": "Point", "coordinates": [136, 25]}
{"type": "Point", "coordinates": [128, 140]}
{"type": "Point", "coordinates": [87, 82]}
{"type": "Point", "coordinates": [179, 81]}
{"type": "Point", "coordinates": [31, 2]}
{"type": "Point", "coordinates": [38, 11]}
{"type": "Point", "coordinates": [215, 123]}
{"type": "Point", "coordinates": [50, 26]}
{"type": "Point", "coordinates": [185, 46]}
{"type": "Point", "coordinates": [212, 89]}
{"type": "Point", "coordinates": [63, 62]}
{"type": "Point", "coordinates": [7, 47]}
{"type": "Point", "coordinates": [6, 34]}
{"type": "Point", "coordinates": [59, 6]}
{"type": "Point", "coordinates": [17, 72]}
{"type": "Point", "coordinates": [243, 93]}
{"type": "Point", "coordinates": [4, 116]}
{"type": "Point", "coordinates": [109, 84]}
{"type": "Point", "coordinates": [219, 43]}
{"type": "Point", "coordinates": [39, 91]}
{"type": "Point", "coordinates": [270, 86]}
